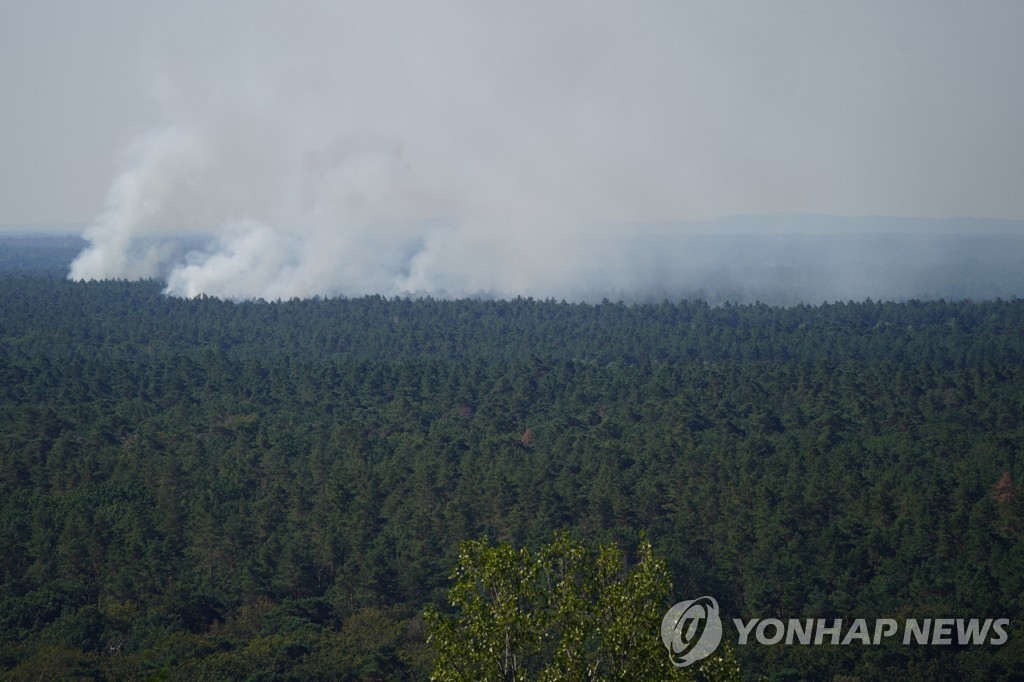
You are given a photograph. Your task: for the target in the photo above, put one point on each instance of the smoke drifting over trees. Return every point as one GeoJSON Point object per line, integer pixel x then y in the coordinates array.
{"type": "Point", "coordinates": [456, 150]}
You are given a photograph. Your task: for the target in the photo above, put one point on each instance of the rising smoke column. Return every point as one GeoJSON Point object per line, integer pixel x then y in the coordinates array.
{"type": "Point", "coordinates": [448, 151]}
{"type": "Point", "coordinates": [162, 168]}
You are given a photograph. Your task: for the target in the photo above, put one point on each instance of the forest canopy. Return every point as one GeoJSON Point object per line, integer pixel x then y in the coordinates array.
{"type": "Point", "coordinates": [217, 489]}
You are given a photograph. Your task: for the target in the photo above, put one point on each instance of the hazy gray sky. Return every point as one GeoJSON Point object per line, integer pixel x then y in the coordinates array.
{"type": "Point", "coordinates": [283, 125]}
{"type": "Point", "coordinates": [867, 107]}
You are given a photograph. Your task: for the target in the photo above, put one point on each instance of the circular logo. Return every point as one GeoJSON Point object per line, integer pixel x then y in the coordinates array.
{"type": "Point", "coordinates": [691, 630]}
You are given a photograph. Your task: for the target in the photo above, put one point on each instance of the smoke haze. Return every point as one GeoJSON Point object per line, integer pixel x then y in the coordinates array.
{"type": "Point", "coordinates": [461, 148]}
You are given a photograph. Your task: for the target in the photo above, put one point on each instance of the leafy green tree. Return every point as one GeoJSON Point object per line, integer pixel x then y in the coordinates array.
{"type": "Point", "coordinates": [561, 613]}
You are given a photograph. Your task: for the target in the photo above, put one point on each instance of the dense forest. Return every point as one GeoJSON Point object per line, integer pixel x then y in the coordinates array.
{"type": "Point", "coordinates": [206, 489]}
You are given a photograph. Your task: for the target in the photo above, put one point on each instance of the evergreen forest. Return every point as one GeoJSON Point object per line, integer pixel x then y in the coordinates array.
{"type": "Point", "coordinates": [208, 489]}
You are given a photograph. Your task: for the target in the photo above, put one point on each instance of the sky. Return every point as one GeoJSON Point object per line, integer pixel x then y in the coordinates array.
{"type": "Point", "coordinates": [462, 146]}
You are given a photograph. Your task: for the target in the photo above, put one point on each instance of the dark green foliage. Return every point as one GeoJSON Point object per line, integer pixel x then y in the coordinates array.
{"type": "Point", "coordinates": [227, 490]}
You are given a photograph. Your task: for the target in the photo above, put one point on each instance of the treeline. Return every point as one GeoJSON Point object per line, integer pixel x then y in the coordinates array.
{"type": "Point", "coordinates": [38, 254]}
{"type": "Point", "coordinates": [201, 488]}
{"type": "Point", "coordinates": [134, 318]}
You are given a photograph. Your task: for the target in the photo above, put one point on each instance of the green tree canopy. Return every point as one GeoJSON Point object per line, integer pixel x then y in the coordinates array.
{"type": "Point", "coordinates": [561, 613]}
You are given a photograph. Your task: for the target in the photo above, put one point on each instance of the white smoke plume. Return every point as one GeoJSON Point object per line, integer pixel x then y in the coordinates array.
{"type": "Point", "coordinates": [442, 150]}
{"type": "Point", "coordinates": [458, 148]}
